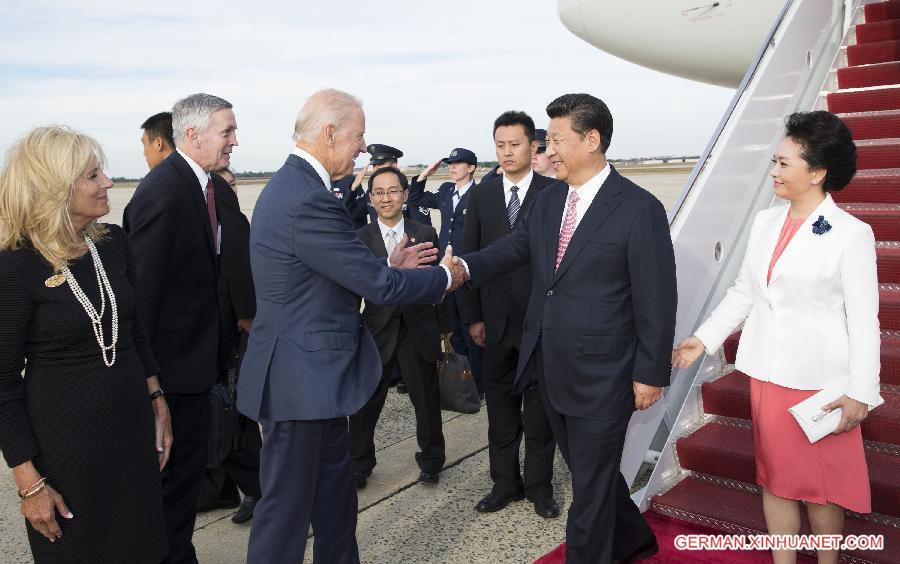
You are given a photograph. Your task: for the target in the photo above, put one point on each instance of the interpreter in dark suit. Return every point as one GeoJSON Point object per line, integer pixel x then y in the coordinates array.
{"type": "Point", "coordinates": [173, 227]}
{"type": "Point", "coordinates": [311, 362]}
{"type": "Point", "coordinates": [598, 333]}
{"type": "Point", "coordinates": [494, 315]}
{"type": "Point", "coordinates": [452, 199]}
{"type": "Point", "coordinates": [237, 306]}
{"type": "Point", "coordinates": [407, 335]}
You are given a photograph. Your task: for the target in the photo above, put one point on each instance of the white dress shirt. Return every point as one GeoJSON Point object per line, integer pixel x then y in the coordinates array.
{"type": "Point", "coordinates": [586, 194]}
{"type": "Point", "coordinates": [317, 166]}
{"type": "Point", "coordinates": [397, 229]}
{"type": "Point", "coordinates": [458, 193]}
{"type": "Point", "coordinates": [203, 178]}
{"type": "Point", "coordinates": [523, 185]}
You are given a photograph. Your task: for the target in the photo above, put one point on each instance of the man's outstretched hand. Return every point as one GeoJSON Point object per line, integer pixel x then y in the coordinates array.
{"type": "Point", "coordinates": [457, 270]}
{"type": "Point", "coordinates": [414, 256]}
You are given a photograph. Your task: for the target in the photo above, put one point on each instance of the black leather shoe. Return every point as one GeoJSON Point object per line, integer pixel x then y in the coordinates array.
{"type": "Point", "coordinates": [429, 477]}
{"type": "Point", "coordinates": [361, 479]}
{"type": "Point", "coordinates": [493, 502]}
{"type": "Point", "coordinates": [402, 389]}
{"type": "Point", "coordinates": [646, 550]}
{"type": "Point", "coordinates": [245, 511]}
{"type": "Point", "coordinates": [546, 508]}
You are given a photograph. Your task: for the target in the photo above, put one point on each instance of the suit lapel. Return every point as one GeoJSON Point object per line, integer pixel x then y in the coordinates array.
{"type": "Point", "coordinates": [196, 192]}
{"type": "Point", "coordinates": [497, 201]}
{"type": "Point", "coordinates": [804, 237]}
{"type": "Point", "coordinates": [374, 240]}
{"type": "Point", "coordinates": [605, 202]}
{"type": "Point", "coordinates": [767, 242]}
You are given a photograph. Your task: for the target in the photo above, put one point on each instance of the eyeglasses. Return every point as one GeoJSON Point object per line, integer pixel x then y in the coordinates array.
{"type": "Point", "coordinates": [393, 193]}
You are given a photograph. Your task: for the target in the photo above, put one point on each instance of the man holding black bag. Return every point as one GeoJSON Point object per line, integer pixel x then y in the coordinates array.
{"type": "Point", "coordinates": [234, 441]}
{"type": "Point", "coordinates": [407, 335]}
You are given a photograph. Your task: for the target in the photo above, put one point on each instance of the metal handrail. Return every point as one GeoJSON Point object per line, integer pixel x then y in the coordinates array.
{"type": "Point", "coordinates": [739, 93]}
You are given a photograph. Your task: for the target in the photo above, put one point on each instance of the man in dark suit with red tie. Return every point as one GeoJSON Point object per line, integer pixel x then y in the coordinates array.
{"type": "Point", "coordinates": [494, 315]}
{"type": "Point", "coordinates": [600, 325]}
{"type": "Point", "coordinates": [173, 226]}
{"type": "Point", "coordinates": [406, 335]}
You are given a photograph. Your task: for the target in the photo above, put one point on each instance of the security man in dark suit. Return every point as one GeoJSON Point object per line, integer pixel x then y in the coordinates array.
{"type": "Point", "coordinates": [407, 335]}
{"type": "Point", "coordinates": [237, 304]}
{"type": "Point", "coordinates": [452, 198]}
{"type": "Point", "coordinates": [495, 314]}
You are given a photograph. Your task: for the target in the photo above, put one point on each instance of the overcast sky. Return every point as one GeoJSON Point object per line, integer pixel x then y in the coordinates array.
{"type": "Point", "coordinates": [431, 75]}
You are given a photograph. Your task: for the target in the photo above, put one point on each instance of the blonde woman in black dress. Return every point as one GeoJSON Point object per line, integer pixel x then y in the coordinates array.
{"type": "Point", "coordinates": [84, 440]}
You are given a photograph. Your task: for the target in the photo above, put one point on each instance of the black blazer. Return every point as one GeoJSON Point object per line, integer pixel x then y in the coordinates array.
{"type": "Point", "coordinates": [606, 317]}
{"type": "Point", "coordinates": [500, 304]}
{"type": "Point", "coordinates": [424, 322]}
{"type": "Point", "coordinates": [237, 298]}
{"type": "Point", "coordinates": [177, 272]}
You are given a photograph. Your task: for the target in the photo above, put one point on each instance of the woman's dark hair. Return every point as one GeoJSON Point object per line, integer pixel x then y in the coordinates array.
{"type": "Point", "coordinates": [586, 113]}
{"type": "Point", "coordinates": [404, 183]}
{"type": "Point", "coordinates": [825, 143]}
{"type": "Point", "coordinates": [516, 118]}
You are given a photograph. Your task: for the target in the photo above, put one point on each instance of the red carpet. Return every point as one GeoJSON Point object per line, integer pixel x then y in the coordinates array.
{"type": "Point", "coordinates": [666, 530]}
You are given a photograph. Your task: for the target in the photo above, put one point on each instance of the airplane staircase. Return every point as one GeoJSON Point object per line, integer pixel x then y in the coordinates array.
{"type": "Point", "coordinates": [716, 488]}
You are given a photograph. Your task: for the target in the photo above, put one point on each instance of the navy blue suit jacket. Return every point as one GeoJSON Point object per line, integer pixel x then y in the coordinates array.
{"type": "Point", "coordinates": [310, 355]}
{"type": "Point", "coordinates": [606, 317]}
{"type": "Point", "coordinates": [452, 219]}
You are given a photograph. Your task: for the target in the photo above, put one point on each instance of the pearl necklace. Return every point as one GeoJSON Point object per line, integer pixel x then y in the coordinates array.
{"type": "Point", "coordinates": [96, 318]}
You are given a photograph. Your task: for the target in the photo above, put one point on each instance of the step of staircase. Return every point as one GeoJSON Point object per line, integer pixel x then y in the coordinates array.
{"type": "Point", "coordinates": [729, 396]}
{"type": "Point", "coordinates": [872, 53]}
{"type": "Point", "coordinates": [890, 355]}
{"type": "Point", "coordinates": [873, 125]}
{"type": "Point", "coordinates": [726, 451]}
{"type": "Point", "coordinates": [886, 30]}
{"type": "Point", "coordinates": [870, 99]}
{"type": "Point", "coordinates": [878, 153]}
{"type": "Point", "coordinates": [888, 256]}
{"type": "Point", "coordinates": [739, 511]}
{"type": "Point", "coordinates": [872, 186]}
{"type": "Point", "coordinates": [881, 11]}
{"type": "Point", "coordinates": [883, 218]}
{"type": "Point", "coordinates": [862, 76]}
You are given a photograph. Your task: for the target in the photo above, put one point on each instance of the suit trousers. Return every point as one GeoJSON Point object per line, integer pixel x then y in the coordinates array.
{"type": "Point", "coordinates": [510, 415]}
{"type": "Point", "coordinates": [463, 343]}
{"type": "Point", "coordinates": [306, 480]}
{"type": "Point", "coordinates": [182, 478]}
{"type": "Point", "coordinates": [603, 523]}
{"type": "Point", "coordinates": [424, 393]}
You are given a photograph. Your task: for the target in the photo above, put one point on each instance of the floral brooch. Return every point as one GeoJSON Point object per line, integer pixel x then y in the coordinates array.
{"type": "Point", "coordinates": [821, 226]}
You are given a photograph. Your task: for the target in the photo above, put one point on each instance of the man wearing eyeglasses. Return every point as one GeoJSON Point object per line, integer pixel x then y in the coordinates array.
{"type": "Point", "coordinates": [408, 336]}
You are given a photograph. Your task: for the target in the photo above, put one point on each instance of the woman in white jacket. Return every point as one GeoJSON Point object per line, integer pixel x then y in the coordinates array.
{"type": "Point", "coordinates": [807, 293]}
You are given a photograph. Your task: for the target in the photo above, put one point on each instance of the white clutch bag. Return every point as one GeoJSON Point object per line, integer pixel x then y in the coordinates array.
{"type": "Point", "coordinates": [809, 415]}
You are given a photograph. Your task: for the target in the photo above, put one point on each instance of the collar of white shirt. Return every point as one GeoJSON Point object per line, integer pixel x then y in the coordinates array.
{"type": "Point", "coordinates": [523, 185]}
{"type": "Point", "coordinates": [202, 175]}
{"type": "Point", "coordinates": [462, 191]}
{"type": "Point", "coordinates": [317, 166]}
{"type": "Point", "coordinates": [586, 194]}
{"type": "Point", "coordinates": [398, 229]}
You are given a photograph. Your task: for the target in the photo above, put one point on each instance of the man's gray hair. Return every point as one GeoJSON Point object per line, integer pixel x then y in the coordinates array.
{"type": "Point", "coordinates": [195, 112]}
{"type": "Point", "coordinates": [328, 106]}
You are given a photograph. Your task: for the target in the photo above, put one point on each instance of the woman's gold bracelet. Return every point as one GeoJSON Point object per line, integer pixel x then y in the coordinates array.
{"type": "Point", "coordinates": [33, 489]}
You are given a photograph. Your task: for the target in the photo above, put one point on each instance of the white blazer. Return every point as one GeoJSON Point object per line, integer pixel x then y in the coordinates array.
{"type": "Point", "coordinates": [816, 322]}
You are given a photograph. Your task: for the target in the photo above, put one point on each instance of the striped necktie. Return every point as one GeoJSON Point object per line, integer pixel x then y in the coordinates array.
{"type": "Point", "coordinates": [568, 227]}
{"type": "Point", "coordinates": [512, 209]}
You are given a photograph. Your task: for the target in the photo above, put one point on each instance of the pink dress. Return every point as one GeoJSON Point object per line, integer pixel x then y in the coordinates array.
{"type": "Point", "coordinates": [833, 470]}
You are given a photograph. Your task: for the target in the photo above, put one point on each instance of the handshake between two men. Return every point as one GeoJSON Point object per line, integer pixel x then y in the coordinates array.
{"type": "Point", "coordinates": [422, 255]}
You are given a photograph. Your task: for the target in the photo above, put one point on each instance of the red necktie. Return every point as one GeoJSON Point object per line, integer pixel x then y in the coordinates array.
{"type": "Point", "coordinates": [211, 210]}
{"type": "Point", "coordinates": [567, 229]}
